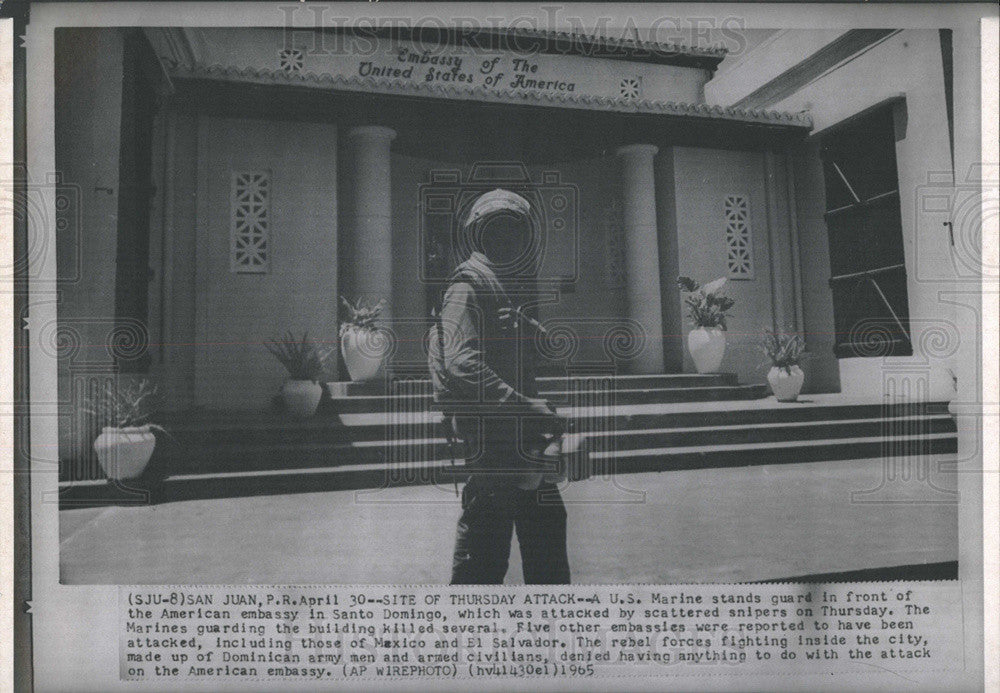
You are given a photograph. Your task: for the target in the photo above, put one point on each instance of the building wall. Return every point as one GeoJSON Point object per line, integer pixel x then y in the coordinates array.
{"type": "Point", "coordinates": [211, 322]}
{"type": "Point", "coordinates": [177, 223]}
{"type": "Point", "coordinates": [907, 65]}
{"type": "Point", "coordinates": [674, 350]}
{"type": "Point", "coordinates": [236, 313]}
{"type": "Point", "coordinates": [821, 366]}
{"type": "Point", "coordinates": [593, 303]}
{"type": "Point", "coordinates": [233, 313]}
{"type": "Point", "coordinates": [691, 186]}
{"type": "Point", "coordinates": [701, 179]}
{"type": "Point", "coordinates": [409, 297]}
{"type": "Point", "coordinates": [87, 143]}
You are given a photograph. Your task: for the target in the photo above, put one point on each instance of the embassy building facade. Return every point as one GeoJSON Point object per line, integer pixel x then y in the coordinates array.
{"type": "Point", "coordinates": [234, 184]}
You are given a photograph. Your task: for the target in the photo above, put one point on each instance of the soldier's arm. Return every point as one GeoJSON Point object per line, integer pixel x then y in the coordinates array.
{"type": "Point", "coordinates": [466, 364]}
{"type": "Point", "coordinates": [463, 348]}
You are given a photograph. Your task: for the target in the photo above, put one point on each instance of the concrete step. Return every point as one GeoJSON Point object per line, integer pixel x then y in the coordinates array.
{"type": "Point", "coordinates": [369, 426]}
{"type": "Point", "coordinates": [711, 437]}
{"type": "Point", "coordinates": [785, 452]}
{"type": "Point", "coordinates": [264, 428]}
{"type": "Point", "coordinates": [559, 382]}
{"type": "Point", "coordinates": [629, 381]}
{"type": "Point", "coordinates": [288, 452]}
{"type": "Point", "coordinates": [243, 453]}
{"type": "Point", "coordinates": [578, 397]}
{"type": "Point", "coordinates": [371, 477]}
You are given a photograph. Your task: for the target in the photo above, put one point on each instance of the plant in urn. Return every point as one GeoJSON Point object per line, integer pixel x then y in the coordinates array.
{"type": "Point", "coordinates": [126, 442]}
{"type": "Point", "coordinates": [306, 364]}
{"type": "Point", "coordinates": [785, 376]}
{"type": "Point", "coordinates": [362, 343]}
{"type": "Point", "coordinates": [707, 309]}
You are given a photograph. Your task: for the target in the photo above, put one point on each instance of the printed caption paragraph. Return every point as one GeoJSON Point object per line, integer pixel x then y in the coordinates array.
{"type": "Point", "coordinates": [330, 633]}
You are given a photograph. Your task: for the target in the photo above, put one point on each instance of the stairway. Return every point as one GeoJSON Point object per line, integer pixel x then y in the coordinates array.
{"type": "Point", "coordinates": [369, 436]}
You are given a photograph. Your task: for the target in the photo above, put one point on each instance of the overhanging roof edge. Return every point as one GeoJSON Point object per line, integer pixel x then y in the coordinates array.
{"type": "Point", "coordinates": [798, 121]}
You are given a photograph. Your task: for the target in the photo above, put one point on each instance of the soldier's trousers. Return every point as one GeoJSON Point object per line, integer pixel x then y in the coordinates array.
{"type": "Point", "coordinates": [490, 512]}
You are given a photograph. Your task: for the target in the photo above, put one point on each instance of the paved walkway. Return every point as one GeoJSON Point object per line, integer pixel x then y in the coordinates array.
{"type": "Point", "coordinates": [722, 525]}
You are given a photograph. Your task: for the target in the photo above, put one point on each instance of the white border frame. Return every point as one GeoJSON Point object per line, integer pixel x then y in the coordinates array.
{"type": "Point", "coordinates": [70, 619]}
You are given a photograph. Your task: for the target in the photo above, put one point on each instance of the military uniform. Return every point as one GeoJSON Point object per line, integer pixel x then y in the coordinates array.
{"type": "Point", "coordinates": [484, 385]}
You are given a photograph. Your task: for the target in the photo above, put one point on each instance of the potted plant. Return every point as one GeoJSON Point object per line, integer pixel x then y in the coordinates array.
{"type": "Point", "coordinates": [362, 344]}
{"type": "Point", "coordinates": [305, 363]}
{"type": "Point", "coordinates": [707, 308]}
{"type": "Point", "coordinates": [126, 442]}
{"type": "Point", "coordinates": [785, 376]}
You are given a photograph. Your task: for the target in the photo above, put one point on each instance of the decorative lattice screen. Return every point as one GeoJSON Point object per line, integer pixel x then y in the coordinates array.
{"type": "Point", "coordinates": [290, 60]}
{"type": "Point", "coordinates": [250, 222]}
{"type": "Point", "coordinates": [739, 238]}
{"type": "Point", "coordinates": [631, 88]}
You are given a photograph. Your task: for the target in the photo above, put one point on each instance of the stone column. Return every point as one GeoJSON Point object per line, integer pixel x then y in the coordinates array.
{"type": "Point", "coordinates": [778, 246]}
{"type": "Point", "coordinates": [642, 254]}
{"type": "Point", "coordinates": [369, 265]}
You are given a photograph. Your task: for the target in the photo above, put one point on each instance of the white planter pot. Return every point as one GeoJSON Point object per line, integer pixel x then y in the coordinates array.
{"type": "Point", "coordinates": [786, 385]}
{"type": "Point", "coordinates": [363, 350]}
{"type": "Point", "coordinates": [707, 346]}
{"type": "Point", "coordinates": [124, 452]}
{"type": "Point", "coordinates": [301, 397]}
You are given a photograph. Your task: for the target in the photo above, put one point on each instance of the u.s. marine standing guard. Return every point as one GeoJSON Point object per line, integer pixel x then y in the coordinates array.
{"type": "Point", "coordinates": [484, 385]}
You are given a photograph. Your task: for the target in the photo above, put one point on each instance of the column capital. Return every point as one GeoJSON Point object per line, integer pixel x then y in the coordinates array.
{"type": "Point", "coordinates": [372, 132]}
{"type": "Point", "coordinates": [637, 149]}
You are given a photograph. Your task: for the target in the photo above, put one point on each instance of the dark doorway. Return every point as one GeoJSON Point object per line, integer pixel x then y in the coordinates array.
{"type": "Point", "coordinates": [867, 264]}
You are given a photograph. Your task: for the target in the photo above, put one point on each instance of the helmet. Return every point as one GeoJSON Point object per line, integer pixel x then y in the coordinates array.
{"type": "Point", "coordinates": [490, 203]}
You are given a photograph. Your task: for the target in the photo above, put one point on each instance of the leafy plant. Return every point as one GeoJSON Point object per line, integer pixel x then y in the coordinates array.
{"type": "Point", "coordinates": [301, 357]}
{"type": "Point", "coordinates": [359, 315]}
{"type": "Point", "coordinates": [784, 350]}
{"type": "Point", "coordinates": [125, 404]}
{"type": "Point", "coordinates": [707, 305]}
